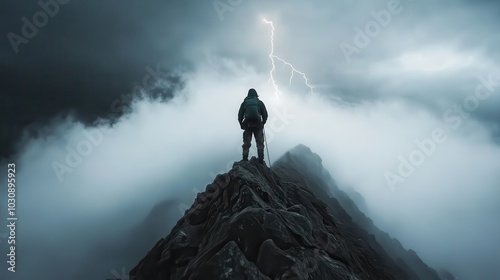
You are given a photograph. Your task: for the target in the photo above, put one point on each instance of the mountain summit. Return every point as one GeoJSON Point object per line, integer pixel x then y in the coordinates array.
{"type": "Point", "coordinates": [257, 223]}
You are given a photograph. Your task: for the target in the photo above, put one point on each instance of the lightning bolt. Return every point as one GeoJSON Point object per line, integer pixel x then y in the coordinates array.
{"type": "Point", "coordinates": [272, 56]}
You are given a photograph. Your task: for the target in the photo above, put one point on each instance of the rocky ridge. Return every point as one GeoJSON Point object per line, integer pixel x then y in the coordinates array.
{"type": "Point", "coordinates": [254, 223]}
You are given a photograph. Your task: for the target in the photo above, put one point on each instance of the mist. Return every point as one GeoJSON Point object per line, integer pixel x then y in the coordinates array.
{"type": "Point", "coordinates": [87, 192]}
{"type": "Point", "coordinates": [165, 150]}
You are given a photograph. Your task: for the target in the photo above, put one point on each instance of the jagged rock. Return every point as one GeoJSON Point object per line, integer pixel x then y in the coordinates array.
{"type": "Point", "coordinates": [273, 261]}
{"type": "Point", "coordinates": [228, 263]}
{"type": "Point", "coordinates": [301, 165]}
{"type": "Point", "coordinates": [254, 223]}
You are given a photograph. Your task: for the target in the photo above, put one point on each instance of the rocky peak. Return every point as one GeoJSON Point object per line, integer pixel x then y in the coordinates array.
{"type": "Point", "coordinates": [254, 223]}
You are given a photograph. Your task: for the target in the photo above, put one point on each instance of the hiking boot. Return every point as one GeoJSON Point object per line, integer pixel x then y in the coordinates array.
{"type": "Point", "coordinates": [260, 153]}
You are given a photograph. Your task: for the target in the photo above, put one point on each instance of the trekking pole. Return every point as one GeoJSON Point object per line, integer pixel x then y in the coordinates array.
{"type": "Point", "coordinates": [267, 148]}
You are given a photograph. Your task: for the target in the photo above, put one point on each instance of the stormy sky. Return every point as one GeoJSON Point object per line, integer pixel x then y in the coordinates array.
{"type": "Point", "coordinates": [404, 110]}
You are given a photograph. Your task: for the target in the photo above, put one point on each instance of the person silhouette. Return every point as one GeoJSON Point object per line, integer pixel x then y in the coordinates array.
{"type": "Point", "coordinates": [252, 117]}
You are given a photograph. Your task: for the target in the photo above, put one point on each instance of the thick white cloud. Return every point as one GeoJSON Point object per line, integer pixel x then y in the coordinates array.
{"type": "Point", "coordinates": [166, 149]}
{"type": "Point", "coordinates": [445, 211]}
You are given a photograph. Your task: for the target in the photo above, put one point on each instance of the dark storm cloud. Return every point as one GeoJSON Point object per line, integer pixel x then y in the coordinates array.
{"type": "Point", "coordinates": [87, 55]}
{"type": "Point", "coordinates": [432, 51]}
{"type": "Point", "coordinates": [92, 52]}
{"type": "Point", "coordinates": [398, 86]}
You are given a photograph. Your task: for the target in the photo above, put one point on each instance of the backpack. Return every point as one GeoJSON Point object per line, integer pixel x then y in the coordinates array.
{"type": "Point", "coordinates": [252, 110]}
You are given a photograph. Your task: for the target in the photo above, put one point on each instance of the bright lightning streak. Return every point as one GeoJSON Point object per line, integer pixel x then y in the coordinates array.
{"type": "Point", "coordinates": [272, 56]}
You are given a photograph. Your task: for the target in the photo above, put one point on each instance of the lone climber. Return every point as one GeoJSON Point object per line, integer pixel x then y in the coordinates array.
{"type": "Point", "coordinates": [252, 117]}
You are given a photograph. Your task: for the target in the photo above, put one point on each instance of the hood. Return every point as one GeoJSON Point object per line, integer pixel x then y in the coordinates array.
{"type": "Point", "coordinates": [252, 93]}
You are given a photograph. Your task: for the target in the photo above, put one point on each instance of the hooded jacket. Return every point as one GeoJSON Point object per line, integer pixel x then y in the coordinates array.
{"type": "Point", "coordinates": [252, 93]}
